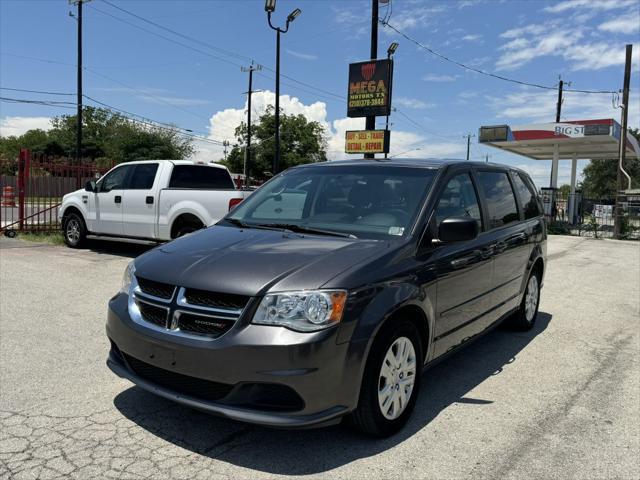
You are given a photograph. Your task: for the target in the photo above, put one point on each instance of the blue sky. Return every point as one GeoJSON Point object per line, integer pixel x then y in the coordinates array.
{"type": "Point", "coordinates": [198, 84]}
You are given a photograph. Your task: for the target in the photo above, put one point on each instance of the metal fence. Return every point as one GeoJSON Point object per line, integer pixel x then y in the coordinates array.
{"type": "Point", "coordinates": [32, 188]}
{"type": "Point", "coordinates": [593, 217]}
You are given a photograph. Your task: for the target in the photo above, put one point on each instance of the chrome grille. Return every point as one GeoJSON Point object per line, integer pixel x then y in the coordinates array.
{"type": "Point", "coordinates": [153, 313]}
{"type": "Point", "coordinates": [203, 324]}
{"type": "Point", "coordinates": [203, 298]}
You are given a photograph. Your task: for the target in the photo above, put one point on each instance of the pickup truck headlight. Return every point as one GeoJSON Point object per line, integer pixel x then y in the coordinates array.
{"type": "Point", "coordinates": [127, 278]}
{"type": "Point", "coordinates": [303, 311]}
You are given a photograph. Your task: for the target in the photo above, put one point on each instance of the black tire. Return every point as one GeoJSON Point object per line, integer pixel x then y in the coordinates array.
{"type": "Point", "coordinates": [74, 230]}
{"type": "Point", "coordinates": [525, 317]}
{"type": "Point", "coordinates": [186, 229]}
{"type": "Point", "coordinates": [368, 416]}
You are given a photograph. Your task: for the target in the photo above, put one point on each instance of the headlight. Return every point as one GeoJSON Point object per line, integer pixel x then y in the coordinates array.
{"type": "Point", "coordinates": [128, 277]}
{"type": "Point", "coordinates": [305, 311]}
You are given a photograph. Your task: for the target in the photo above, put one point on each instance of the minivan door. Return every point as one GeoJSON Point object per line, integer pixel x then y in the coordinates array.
{"type": "Point", "coordinates": [108, 199]}
{"type": "Point", "coordinates": [464, 269]}
{"type": "Point", "coordinates": [139, 205]}
{"type": "Point", "coordinates": [510, 238]}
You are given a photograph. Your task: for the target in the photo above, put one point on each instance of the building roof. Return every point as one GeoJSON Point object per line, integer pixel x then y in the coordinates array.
{"type": "Point", "coordinates": [583, 139]}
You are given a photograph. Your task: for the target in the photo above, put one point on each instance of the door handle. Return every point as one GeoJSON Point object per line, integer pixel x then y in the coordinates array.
{"type": "Point", "coordinates": [149, 200]}
{"type": "Point", "coordinates": [117, 199]}
{"type": "Point", "coordinates": [463, 261]}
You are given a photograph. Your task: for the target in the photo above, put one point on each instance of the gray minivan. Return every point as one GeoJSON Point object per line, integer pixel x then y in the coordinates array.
{"type": "Point", "coordinates": [326, 293]}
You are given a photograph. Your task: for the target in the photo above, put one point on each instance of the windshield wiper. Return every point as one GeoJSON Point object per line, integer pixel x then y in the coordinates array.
{"type": "Point", "coordinates": [304, 229]}
{"type": "Point", "coordinates": [237, 222]}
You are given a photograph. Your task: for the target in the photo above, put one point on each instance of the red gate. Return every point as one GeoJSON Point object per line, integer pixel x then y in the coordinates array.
{"type": "Point", "coordinates": [33, 187]}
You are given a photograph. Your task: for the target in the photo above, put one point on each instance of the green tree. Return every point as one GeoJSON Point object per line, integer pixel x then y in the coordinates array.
{"type": "Point", "coordinates": [107, 137]}
{"type": "Point", "coordinates": [600, 176]}
{"type": "Point", "coordinates": [301, 141]}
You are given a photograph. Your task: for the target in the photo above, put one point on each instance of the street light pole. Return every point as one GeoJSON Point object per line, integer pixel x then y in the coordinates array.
{"type": "Point", "coordinates": [247, 150]}
{"type": "Point", "coordinates": [390, 51]}
{"type": "Point", "coordinates": [371, 119]}
{"type": "Point", "coordinates": [270, 7]}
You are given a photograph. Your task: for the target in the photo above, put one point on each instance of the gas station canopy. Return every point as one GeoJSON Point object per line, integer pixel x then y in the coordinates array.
{"type": "Point", "coordinates": [573, 139]}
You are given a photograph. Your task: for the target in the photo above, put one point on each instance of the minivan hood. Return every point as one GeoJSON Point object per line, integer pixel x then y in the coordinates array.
{"type": "Point", "coordinates": [252, 261]}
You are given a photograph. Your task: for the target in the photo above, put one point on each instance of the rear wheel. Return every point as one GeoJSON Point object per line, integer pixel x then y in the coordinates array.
{"type": "Point", "coordinates": [525, 317]}
{"type": "Point", "coordinates": [74, 230]}
{"type": "Point", "coordinates": [391, 381]}
{"type": "Point", "coordinates": [185, 230]}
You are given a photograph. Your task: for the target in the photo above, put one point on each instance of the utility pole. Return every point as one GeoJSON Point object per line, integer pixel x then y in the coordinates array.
{"type": "Point", "coordinates": [559, 106]}
{"type": "Point", "coordinates": [371, 120]}
{"type": "Point", "coordinates": [247, 150]}
{"type": "Point", "coordinates": [79, 3]}
{"type": "Point", "coordinates": [617, 227]}
{"type": "Point", "coordinates": [486, 158]}
{"type": "Point", "coordinates": [469, 136]}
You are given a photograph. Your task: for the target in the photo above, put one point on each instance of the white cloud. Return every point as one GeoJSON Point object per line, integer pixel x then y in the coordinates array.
{"type": "Point", "coordinates": [629, 24]}
{"type": "Point", "coordinates": [412, 103]}
{"type": "Point", "coordinates": [16, 126]}
{"type": "Point", "coordinates": [589, 4]}
{"type": "Point", "coordinates": [304, 56]}
{"type": "Point", "coordinates": [472, 38]}
{"type": "Point", "coordinates": [432, 77]}
{"type": "Point", "coordinates": [528, 105]}
{"type": "Point", "coordinates": [521, 51]}
{"type": "Point", "coordinates": [176, 101]}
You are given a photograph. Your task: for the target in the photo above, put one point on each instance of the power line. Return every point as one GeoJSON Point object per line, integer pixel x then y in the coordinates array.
{"type": "Point", "coordinates": [482, 72]}
{"type": "Point", "coordinates": [35, 91]}
{"type": "Point", "coordinates": [45, 103]}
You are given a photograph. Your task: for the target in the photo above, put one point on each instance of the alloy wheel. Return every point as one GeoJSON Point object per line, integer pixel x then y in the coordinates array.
{"type": "Point", "coordinates": [531, 299]}
{"type": "Point", "coordinates": [397, 378]}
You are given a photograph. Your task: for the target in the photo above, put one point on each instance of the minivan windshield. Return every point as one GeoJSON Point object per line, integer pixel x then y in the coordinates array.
{"type": "Point", "coordinates": [363, 201]}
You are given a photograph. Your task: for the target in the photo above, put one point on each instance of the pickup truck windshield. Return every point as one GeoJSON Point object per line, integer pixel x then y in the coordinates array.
{"type": "Point", "coordinates": [368, 201]}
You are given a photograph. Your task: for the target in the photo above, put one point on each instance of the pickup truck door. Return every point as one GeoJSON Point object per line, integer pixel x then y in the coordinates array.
{"type": "Point", "coordinates": [108, 201]}
{"type": "Point", "coordinates": [140, 201]}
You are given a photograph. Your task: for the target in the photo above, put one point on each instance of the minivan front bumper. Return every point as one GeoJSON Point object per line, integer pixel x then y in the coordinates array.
{"type": "Point", "coordinates": [301, 379]}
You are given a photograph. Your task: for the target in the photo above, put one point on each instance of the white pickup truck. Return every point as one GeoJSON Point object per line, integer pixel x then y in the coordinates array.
{"type": "Point", "coordinates": [154, 200]}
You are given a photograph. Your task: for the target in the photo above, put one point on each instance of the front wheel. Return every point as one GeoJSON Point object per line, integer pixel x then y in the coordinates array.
{"type": "Point", "coordinates": [391, 381]}
{"type": "Point", "coordinates": [74, 231]}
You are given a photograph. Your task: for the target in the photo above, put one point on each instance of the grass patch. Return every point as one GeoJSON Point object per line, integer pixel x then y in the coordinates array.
{"type": "Point", "coordinates": [54, 238]}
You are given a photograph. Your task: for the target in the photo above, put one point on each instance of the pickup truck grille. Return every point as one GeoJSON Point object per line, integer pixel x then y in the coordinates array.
{"type": "Point", "coordinates": [184, 384]}
{"type": "Point", "coordinates": [203, 324]}
{"type": "Point", "coordinates": [156, 289]}
{"type": "Point", "coordinates": [203, 298]}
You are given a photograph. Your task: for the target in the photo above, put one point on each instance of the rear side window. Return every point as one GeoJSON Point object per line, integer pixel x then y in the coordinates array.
{"type": "Point", "coordinates": [200, 176]}
{"type": "Point", "coordinates": [459, 200]}
{"type": "Point", "coordinates": [527, 197]}
{"type": "Point", "coordinates": [501, 202]}
{"type": "Point", "coordinates": [143, 176]}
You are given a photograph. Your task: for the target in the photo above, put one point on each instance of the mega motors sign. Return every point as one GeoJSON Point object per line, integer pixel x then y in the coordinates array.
{"type": "Point", "coordinates": [367, 141]}
{"type": "Point", "coordinates": [370, 88]}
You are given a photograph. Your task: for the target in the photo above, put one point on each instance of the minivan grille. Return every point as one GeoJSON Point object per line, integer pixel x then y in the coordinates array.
{"type": "Point", "coordinates": [157, 289]}
{"type": "Point", "coordinates": [215, 300]}
{"type": "Point", "coordinates": [184, 384]}
{"type": "Point", "coordinates": [153, 314]}
{"type": "Point", "coordinates": [204, 325]}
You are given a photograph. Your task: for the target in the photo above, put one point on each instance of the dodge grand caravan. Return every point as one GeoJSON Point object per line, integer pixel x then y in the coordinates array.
{"type": "Point", "coordinates": [327, 292]}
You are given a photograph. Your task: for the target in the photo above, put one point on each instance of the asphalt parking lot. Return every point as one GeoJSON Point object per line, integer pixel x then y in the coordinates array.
{"type": "Point", "coordinates": [561, 401]}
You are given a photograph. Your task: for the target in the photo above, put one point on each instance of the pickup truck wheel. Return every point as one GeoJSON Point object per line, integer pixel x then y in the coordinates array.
{"type": "Point", "coordinates": [74, 230]}
{"type": "Point", "coordinates": [391, 381]}
{"type": "Point", "coordinates": [186, 230]}
{"type": "Point", "coordinates": [525, 317]}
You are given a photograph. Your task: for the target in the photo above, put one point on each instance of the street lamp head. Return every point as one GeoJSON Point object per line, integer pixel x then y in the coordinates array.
{"type": "Point", "coordinates": [293, 15]}
{"type": "Point", "coordinates": [392, 48]}
{"type": "Point", "coordinates": [270, 6]}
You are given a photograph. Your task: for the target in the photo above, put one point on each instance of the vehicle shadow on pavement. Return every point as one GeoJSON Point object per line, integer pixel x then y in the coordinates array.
{"type": "Point", "coordinates": [120, 249]}
{"type": "Point", "coordinates": [314, 451]}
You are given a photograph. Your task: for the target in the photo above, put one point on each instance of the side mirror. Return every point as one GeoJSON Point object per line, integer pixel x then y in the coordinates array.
{"type": "Point", "coordinates": [457, 229]}
{"type": "Point", "coordinates": [90, 186]}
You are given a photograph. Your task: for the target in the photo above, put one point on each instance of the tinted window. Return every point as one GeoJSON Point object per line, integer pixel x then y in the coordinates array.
{"type": "Point", "coordinates": [143, 176]}
{"type": "Point", "coordinates": [501, 201]}
{"type": "Point", "coordinates": [527, 197]}
{"type": "Point", "coordinates": [459, 199]}
{"type": "Point", "coordinates": [115, 179]}
{"type": "Point", "coordinates": [200, 176]}
{"type": "Point", "coordinates": [366, 201]}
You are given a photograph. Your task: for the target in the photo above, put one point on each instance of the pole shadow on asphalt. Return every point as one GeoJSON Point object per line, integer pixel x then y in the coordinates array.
{"type": "Point", "coordinates": [301, 452]}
